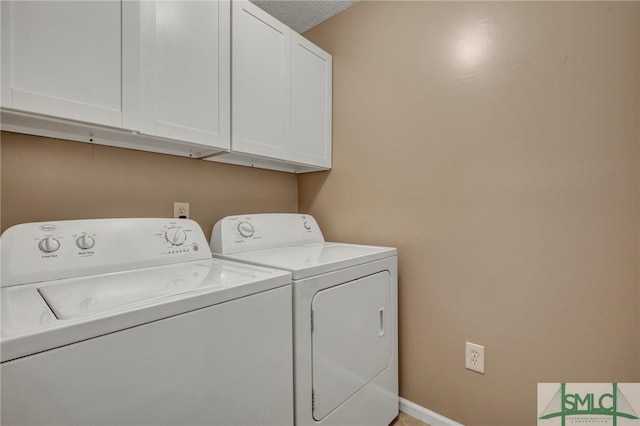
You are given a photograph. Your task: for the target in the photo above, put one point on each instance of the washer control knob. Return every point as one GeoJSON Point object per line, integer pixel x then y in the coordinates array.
{"type": "Point", "coordinates": [245, 229]}
{"type": "Point", "coordinates": [175, 236]}
{"type": "Point", "coordinates": [85, 242]}
{"type": "Point", "coordinates": [307, 226]}
{"type": "Point", "coordinates": [49, 245]}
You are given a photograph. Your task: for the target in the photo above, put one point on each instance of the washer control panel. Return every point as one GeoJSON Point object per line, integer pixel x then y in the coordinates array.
{"type": "Point", "coordinates": [242, 233]}
{"type": "Point", "coordinates": [45, 251]}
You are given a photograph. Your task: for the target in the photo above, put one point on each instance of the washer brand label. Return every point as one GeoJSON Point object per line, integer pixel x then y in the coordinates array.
{"type": "Point", "coordinates": [48, 228]}
{"type": "Point", "coordinates": [616, 404]}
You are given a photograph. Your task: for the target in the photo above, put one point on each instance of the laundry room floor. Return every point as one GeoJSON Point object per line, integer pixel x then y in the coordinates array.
{"type": "Point", "coordinates": [405, 420]}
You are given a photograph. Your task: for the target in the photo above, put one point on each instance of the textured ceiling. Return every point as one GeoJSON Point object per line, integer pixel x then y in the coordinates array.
{"type": "Point", "coordinates": [301, 15]}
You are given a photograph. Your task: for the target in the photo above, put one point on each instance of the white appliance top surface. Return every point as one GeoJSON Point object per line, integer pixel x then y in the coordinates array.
{"type": "Point", "coordinates": [86, 296]}
{"type": "Point", "coordinates": [289, 241]}
{"type": "Point", "coordinates": [309, 260]}
{"type": "Point", "coordinates": [41, 316]}
{"type": "Point", "coordinates": [160, 276]}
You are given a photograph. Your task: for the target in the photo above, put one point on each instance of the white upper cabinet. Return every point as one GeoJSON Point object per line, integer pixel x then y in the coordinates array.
{"type": "Point", "coordinates": [311, 102]}
{"type": "Point", "coordinates": [151, 75]}
{"type": "Point", "coordinates": [261, 91]}
{"type": "Point", "coordinates": [167, 76]}
{"type": "Point", "coordinates": [185, 67]}
{"type": "Point", "coordinates": [281, 96]}
{"type": "Point", "coordinates": [65, 59]}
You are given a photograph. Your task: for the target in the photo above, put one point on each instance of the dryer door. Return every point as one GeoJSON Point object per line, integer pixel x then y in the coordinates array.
{"type": "Point", "coordinates": [351, 340]}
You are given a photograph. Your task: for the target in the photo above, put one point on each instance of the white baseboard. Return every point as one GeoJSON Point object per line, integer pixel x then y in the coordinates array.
{"type": "Point", "coordinates": [425, 415]}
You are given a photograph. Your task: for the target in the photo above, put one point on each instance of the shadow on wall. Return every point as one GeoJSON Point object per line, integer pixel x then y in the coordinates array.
{"type": "Point", "coordinates": [52, 179]}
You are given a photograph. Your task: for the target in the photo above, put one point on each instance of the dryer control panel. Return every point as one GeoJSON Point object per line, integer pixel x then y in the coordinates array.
{"type": "Point", "coordinates": [242, 233]}
{"type": "Point", "coordinates": [45, 251]}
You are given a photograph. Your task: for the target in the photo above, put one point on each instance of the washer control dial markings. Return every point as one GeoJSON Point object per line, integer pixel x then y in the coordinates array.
{"type": "Point", "coordinates": [85, 242]}
{"type": "Point", "coordinates": [175, 236]}
{"type": "Point", "coordinates": [49, 245]}
{"type": "Point", "coordinates": [245, 229]}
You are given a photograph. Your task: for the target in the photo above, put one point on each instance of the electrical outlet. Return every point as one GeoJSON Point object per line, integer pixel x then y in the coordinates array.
{"type": "Point", "coordinates": [181, 210]}
{"type": "Point", "coordinates": [474, 357]}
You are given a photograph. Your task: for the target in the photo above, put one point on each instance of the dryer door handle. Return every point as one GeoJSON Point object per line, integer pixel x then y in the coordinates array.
{"type": "Point", "coordinates": [381, 322]}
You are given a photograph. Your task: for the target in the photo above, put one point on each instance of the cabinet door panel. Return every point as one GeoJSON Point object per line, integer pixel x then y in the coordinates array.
{"type": "Point", "coordinates": [65, 59]}
{"type": "Point", "coordinates": [186, 60]}
{"type": "Point", "coordinates": [261, 90]}
{"type": "Point", "coordinates": [311, 102]}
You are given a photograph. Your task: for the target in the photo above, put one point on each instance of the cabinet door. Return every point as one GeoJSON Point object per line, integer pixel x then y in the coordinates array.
{"type": "Point", "coordinates": [311, 77]}
{"type": "Point", "coordinates": [185, 59]}
{"type": "Point", "coordinates": [261, 83]}
{"type": "Point", "coordinates": [64, 59]}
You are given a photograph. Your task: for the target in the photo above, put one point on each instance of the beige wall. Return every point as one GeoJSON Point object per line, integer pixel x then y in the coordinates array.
{"type": "Point", "coordinates": [496, 145]}
{"type": "Point", "coordinates": [50, 179]}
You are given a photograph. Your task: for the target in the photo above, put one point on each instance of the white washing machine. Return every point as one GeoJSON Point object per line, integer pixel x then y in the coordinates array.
{"type": "Point", "coordinates": [344, 315]}
{"type": "Point", "coordinates": [131, 322]}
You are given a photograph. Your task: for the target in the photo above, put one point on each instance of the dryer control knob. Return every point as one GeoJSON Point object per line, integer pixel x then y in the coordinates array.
{"type": "Point", "coordinates": [85, 242]}
{"type": "Point", "coordinates": [175, 236]}
{"type": "Point", "coordinates": [307, 226]}
{"type": "Point", "coordinates": [49, 245]}
{"type": "Point", "coordinates": [245, 229]}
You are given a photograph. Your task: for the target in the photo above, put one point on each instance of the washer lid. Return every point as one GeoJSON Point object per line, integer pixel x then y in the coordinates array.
{"type": "Point", "coordinates": [41, 316]}
{"type": "Point", "coordinates": [80, 297]}
{"type": "Point", "coordinates": [308, 260]}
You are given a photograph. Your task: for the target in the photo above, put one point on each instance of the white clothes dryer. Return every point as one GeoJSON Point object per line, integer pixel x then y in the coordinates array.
{"type": "Point", "coordinates": [130, 321]}
{"type": "Point", "coordinates": [344, 315]}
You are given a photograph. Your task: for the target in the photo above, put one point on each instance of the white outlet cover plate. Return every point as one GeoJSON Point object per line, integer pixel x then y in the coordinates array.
{"type": "Point", "coordinates": [474, 357]}
{"type": "Point", "coordinates": [181, 209]}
